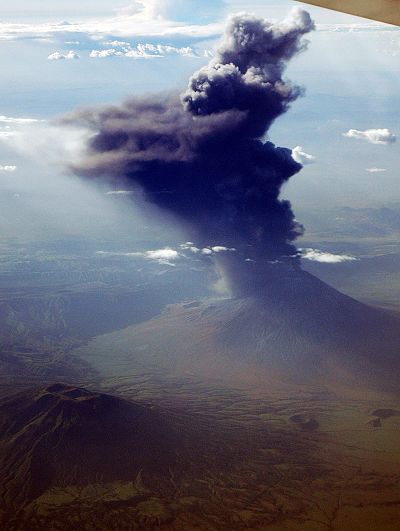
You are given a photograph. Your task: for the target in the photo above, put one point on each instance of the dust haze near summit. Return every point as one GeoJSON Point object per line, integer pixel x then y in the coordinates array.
{"type": "Point", "coordinates": [202, 156]}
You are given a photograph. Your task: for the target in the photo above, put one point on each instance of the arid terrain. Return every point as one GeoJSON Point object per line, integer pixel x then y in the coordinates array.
{"type": "Point", "coordinates": [207, 414]}
{"type": "Point", "coordinates": [216, 458]}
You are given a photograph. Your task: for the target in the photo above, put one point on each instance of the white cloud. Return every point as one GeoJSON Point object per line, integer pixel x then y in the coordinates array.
{"type": "Point", "coordinates": [58, 56]}
{"type": "Point", "coordinates": [324, 257]}
{"type": "Point", "coordinates": [117, 44]}
{"type": "Point", "coordinates": [149, 9]}
{"type": "Point", "coordinates": [11, 120]}
{"type": "Point", "coordinates": [376, 170]}
{"type": "Point", "coordinates": [367, 27]}
{"type": "Point", "coordinates": [168, 255]}
{"type": "Point", "coordinates": [119, 192]}
{"type": "Point", "coordinates": [5, 135]}
{"type": "Point", "coordinates": [32, 140]}
{"type": "Point", "coordinates": [8, 168]}
{"type": "Point", "coordinates": [301, 156]}
{"type": "Point", "coordinates": [144, 19]}
{"type": "Point", "coordinates": [162, 256]}
{"type": "Point", "coordinates": [150, 18]}
{"type": "Point", "coordinates": [221, 249]}
{"type": "Point", "coordinates": [189, 246]}
{"type": "Point", "coordinates": [374, 136]}
{"type": "Point", "coordinates": [12, 126]}
{"type": "Point", "coordinates": [142, 51]}
{"type": "Point", "coordinates": [110, 52]}
{"type": "Point", "coordinates": [162, 50]}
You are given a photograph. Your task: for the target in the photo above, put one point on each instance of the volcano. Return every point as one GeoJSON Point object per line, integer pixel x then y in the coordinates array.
{"type": "Point", "coordinates": [63, 435]}
{"type": "Point", "coordinates": [294, 328]}
{"type": "Point", "coordinates": [71, 456]}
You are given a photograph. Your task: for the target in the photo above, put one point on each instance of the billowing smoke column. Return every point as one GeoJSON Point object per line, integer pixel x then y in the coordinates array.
{"type": "Point", "coordinates": [201, 155]}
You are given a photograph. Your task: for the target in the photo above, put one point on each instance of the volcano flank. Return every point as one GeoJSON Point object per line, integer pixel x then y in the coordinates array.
{"type": "Point", "coordinates": [65, 437]}
{"type": "Point", "coordinates": [296, 329]}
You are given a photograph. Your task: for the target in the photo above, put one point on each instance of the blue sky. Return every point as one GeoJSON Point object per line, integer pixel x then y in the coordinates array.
{"type": "Point", "coordinates": [57, 56]}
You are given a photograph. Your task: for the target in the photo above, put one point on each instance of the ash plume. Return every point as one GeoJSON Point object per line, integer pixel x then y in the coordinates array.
{"type": "Point", "coordinates": [202, 155]}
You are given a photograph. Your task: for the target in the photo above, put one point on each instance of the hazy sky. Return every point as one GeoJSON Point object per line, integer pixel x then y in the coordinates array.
{"type": "Point", "coordinates": [57, 56]}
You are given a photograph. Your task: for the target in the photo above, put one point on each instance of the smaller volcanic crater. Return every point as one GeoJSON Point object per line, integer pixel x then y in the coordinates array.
{"type": "Point", "coordinates": [385, 413]}
{"type": "Point", "coordinates": [381, 414]}
{"type": "Point", "coordinates": [375, 423]}
{"type": "Point", "coordinates": [305, 422]}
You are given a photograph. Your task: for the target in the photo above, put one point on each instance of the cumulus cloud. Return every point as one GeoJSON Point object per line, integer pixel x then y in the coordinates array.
{"type": "Point", "coordinates": [301, 156]}
{"type": "Point", "coordinates": [221, 249]}
{"type": "Point", "coordinates": [216, 249]}
{"type": "Point", "coordinates": [109, 52]}
{"type": "Point", "coordinates": [190, 246]}
{"type": "Point", "coordinates": [168, 255]}
{"type": "Point", "coordinates": [142, 51]}
{"type": "Point", "coordinates": [58, 56]}
{"type": "Point", "coordinates": [7, 168]}
{"type": "Point", "coordinates": [209, 250]}
{"type": "Point", "coordinates": [324, 257]}
{"type": "Point", "coordinates": [376, 170]}
{"type": "Point", "coordinates": [374, 136]}
{"type": "Point", "coordinates": [119, 192]}
{"type": "Point", "coordinates": [117, 44]}
{"type": "Point", "coordinates": [162, 256]}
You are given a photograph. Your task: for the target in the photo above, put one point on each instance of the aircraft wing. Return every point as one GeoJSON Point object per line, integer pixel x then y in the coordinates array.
{"type": "Point", "coordinates": [381, 10]}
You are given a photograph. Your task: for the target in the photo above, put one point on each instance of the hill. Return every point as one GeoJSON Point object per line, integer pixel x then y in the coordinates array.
{"type": "Point", "coordinates": [66, 451]}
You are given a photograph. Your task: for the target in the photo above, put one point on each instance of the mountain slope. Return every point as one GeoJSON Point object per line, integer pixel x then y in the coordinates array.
{"type": "Point", "coordinates": [298, 329]}
{"type": "Point", "coordinates": [63, 435]}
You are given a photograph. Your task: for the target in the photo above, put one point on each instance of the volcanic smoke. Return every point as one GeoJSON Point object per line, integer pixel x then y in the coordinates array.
{"type": "Point", "coordinates": [202, 155]}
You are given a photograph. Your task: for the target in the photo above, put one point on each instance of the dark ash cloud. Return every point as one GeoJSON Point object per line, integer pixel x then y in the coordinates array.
{"type": "Point", "coordinates": [201, 155]}
{"type": "Point", "coordinates": [246, 73]}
